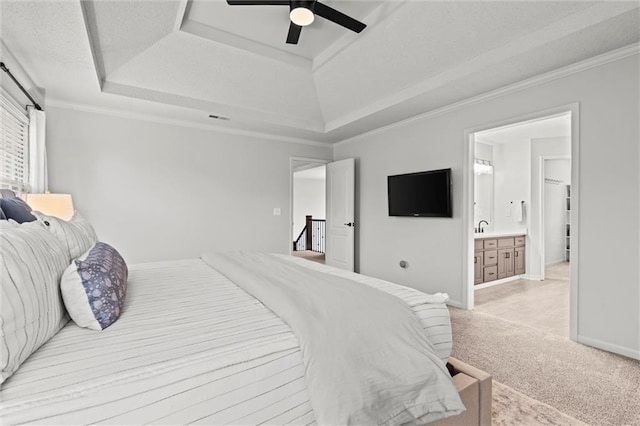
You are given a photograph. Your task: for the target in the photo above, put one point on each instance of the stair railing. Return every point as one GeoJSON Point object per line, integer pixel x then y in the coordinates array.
{"type": "Point", "coordinates": [312, 236]}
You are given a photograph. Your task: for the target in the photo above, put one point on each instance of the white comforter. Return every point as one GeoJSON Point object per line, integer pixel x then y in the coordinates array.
{"type": "Point", "coordinates": [190, 347]}
{"type": "Point", "coordinates": [367, 359]}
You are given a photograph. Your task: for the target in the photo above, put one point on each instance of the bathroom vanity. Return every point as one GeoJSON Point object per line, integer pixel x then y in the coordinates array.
{"type": "Point", "coordinates": [498, 256]}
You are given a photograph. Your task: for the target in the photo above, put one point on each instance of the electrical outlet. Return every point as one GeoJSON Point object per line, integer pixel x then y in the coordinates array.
{"type": "Point", "coordinates": [277, 211]}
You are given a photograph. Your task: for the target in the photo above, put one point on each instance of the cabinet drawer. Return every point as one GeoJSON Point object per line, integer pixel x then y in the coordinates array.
{"type": "Point", "coordinates": [506, 242]}
{"type": "Point", "coordinates": [478, 244]}
{"type": "Point", "coordinates": [519, 241]}
{"type": "Point", "coordinates": [490, 244]}
{"type": "Point", "coordinates": [490, 257]}
{"type": "Point", "coordinates": [490, 273]}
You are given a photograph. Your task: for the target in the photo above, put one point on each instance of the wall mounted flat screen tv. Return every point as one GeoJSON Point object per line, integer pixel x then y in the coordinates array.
{"type": "Point", "coordinates": [423, 194]}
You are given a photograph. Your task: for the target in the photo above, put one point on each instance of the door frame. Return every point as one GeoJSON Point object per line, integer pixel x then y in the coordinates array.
{"type": "Point", "coordinates": [541, 204]}
{"type": "Point", "coordinates": [467, 210]}
{"type": "Point", "coordinates": [292, 160]}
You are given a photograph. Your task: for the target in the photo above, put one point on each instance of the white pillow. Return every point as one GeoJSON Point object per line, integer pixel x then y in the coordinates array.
{"type": "Point", "coordinates": [31, 264]}
{"type": "Point", "coordinates": [76, 234]}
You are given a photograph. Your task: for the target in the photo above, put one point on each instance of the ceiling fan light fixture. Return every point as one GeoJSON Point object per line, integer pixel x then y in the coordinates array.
{"type": "Point", "coordinates": [301, 16]}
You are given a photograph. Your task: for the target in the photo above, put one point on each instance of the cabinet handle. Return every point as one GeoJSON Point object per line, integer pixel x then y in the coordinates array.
{"type": "Point", "coordinates": [516, 254]}
{"type": "Point", "coordinates": [507, 255]}
{"type": "Point", "coordinates": [475, 259]}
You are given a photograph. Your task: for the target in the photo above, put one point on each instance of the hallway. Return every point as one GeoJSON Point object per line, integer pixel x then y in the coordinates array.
{"type": "Point", "coordinates": [310, 255]}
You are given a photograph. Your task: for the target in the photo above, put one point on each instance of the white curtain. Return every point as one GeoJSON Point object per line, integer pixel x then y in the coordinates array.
{"type": "Point", "coordinates": [38, 180]}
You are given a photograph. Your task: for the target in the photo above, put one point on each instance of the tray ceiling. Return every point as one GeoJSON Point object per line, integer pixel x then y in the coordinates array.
{"type": "Point", "coordinates": [188, 59]}
{"type": "Point", "coordinates": [267, 26]}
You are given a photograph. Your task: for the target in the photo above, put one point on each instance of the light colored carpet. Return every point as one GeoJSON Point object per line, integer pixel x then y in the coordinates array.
{"type": "Point", "coordinates": [593, 386]}
{"type": "Point", "coordinates": [513, 408]}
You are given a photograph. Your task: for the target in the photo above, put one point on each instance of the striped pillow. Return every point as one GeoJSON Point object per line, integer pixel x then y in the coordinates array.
{"type": "Point", "coordinates": [31, 309]}
{"type": "Point", "coordinates": [76, 234]}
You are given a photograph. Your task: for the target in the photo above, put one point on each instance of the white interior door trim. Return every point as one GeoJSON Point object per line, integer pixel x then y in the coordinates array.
{"type": "Point", "coordinates": [468, 153]}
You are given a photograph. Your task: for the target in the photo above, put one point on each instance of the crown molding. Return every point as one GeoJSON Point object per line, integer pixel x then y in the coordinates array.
{"type": "Point", "coordinates": [227, 39]}
{"type": "Point", "coordinates": [181, 16]}
{"type": "Point", "coordinates": [596, 61]}
{"type": "Point", "coordinates": [58, 103]}
{"type": "Point", "coordinates": [88, 18]}
{"type": "Point", "coordinates": [528, 42]}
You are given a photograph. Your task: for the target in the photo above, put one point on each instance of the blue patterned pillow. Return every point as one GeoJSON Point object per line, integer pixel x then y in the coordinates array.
{"type": "Point", "coordinates": [94, 287]}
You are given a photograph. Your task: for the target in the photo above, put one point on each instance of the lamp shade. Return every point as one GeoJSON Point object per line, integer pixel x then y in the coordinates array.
{"type": "Point", "coordinates": [58, 205]}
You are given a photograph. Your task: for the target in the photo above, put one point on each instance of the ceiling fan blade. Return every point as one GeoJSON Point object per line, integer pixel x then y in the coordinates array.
{"type": "Point", "coordinates": [294, 33]}
{"type": "Point", "coordinates": [258, 2]}
{"type": "Point", "coordinates": [338, 17]}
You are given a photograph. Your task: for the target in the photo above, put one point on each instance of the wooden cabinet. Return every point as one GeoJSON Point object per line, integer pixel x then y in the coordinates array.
{"type": "Point", "coordinates": [490, 273]}
{"type": "Point", "coordinates": [519, 260]}
{"type": "Point", "coordinates": [477, 265]}
{"type": "Point", "coordinates": [497, 258]}
{"type": "Point", "coordinates": [490, 257]}
{"type": "Point", "coordinates": [506, 265]}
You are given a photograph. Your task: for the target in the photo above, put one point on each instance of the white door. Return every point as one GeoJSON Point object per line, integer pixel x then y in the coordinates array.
{"type": "Point", "coordinates": [339, 250]}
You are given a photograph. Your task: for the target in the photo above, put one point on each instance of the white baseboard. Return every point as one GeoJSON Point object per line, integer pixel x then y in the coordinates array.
{"type": "Point", "coordinates": [610, 347]}
{"type": "Point", "coordinates": [497, 282]}
{"type": "Point", "coordinates": [555, 262]}
{"type": "Point", "coordinates": [454, 303]}
{"type": "Point", "coordinates": [531, 277]}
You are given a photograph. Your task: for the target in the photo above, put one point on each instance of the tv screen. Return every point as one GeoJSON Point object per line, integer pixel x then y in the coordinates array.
{"type": "Point", "coordinates": [423, 194]}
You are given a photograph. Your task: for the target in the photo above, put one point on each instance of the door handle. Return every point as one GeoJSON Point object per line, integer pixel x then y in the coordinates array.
{"type": "Point", "coordinates": [350, 224]}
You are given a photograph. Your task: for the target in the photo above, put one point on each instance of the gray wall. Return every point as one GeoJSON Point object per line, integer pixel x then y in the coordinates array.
{"type": "Point", "coordinates": [158, 191]}
{"type": "Point", "coordinates": [309, 196]}
{"type": "Point", "coordinates": [609, 275]}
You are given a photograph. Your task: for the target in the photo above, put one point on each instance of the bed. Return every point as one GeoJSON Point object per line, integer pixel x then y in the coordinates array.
{"type": "Point", "coordinates": [193, 346]}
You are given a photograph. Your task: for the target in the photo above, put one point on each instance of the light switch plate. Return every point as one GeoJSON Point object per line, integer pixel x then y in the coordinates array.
{"type": "Point", "coordinates": [277, 211]}
{"type": "Point", "coordinates": [507, 212]}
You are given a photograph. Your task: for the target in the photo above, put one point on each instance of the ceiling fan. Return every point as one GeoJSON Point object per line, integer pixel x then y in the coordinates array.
{"type": "Point", "coordinates": [302, 13]}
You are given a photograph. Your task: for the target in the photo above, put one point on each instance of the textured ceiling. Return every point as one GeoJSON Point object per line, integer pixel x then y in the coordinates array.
{"type": "Point", "coordinates": [273, 26]}
{"type": "Point", "coordinates": [187, 59]}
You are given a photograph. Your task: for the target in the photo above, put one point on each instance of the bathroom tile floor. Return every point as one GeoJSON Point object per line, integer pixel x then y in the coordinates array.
{"type": "Point", "coordinates": [543, 305]}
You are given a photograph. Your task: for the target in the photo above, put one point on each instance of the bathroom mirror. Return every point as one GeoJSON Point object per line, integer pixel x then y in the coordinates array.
{"type": "Point", "coordinates": [483, 194]}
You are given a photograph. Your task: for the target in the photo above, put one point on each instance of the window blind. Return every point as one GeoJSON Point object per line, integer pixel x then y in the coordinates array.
{"type": "Point", "coordinates": [14, 155]}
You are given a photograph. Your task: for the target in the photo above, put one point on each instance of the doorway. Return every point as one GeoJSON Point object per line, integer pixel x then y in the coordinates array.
{"type": "Point", "coordinates": [335, 235]}
{"type": "Point", "coordinates": [308, 209]}
{"type": "Point", "coordinates": [523, 172]}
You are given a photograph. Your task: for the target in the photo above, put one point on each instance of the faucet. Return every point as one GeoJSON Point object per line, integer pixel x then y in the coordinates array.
{"type": "Point", "coordinates": [480, 228]}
